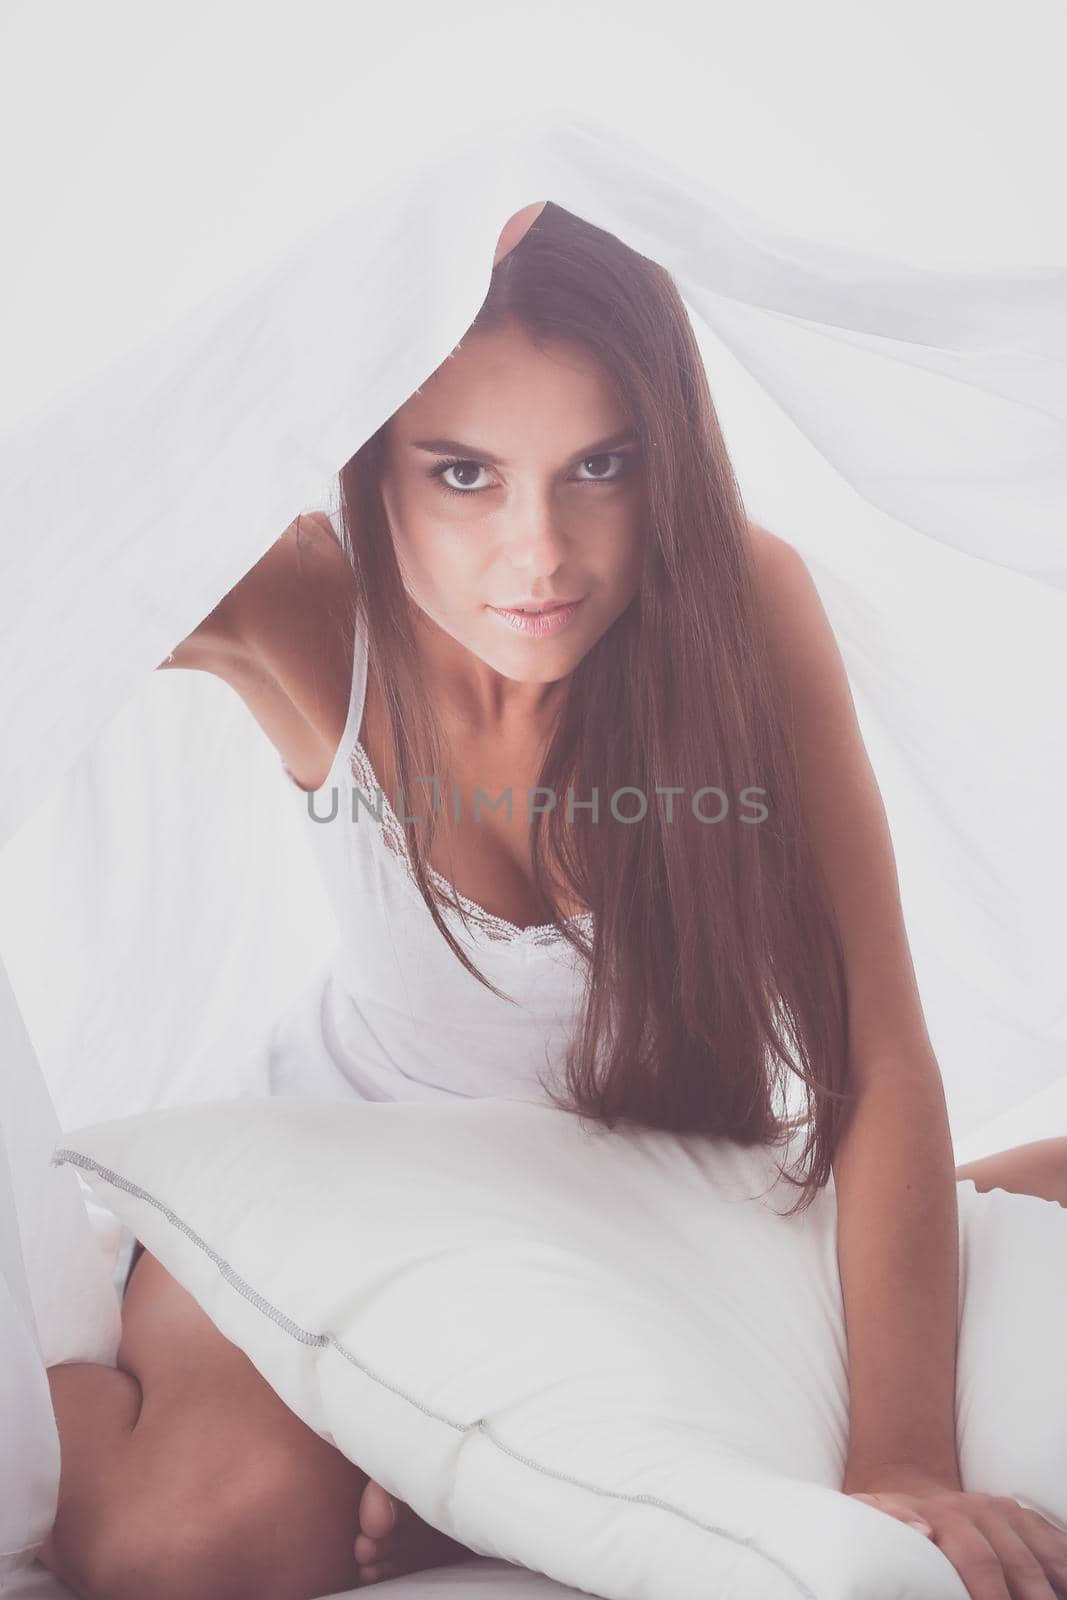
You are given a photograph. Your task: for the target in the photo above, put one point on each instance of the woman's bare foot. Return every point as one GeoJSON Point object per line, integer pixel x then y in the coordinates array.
{"type": "Point", "coordinates": [392, 1540]}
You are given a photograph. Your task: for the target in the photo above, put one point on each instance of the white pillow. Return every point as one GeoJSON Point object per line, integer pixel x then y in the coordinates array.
{"type": "Point", "coordinates": [597, 1354]}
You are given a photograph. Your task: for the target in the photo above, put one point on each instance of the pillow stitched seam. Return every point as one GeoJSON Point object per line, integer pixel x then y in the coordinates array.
{"type": "Point", "coordinates": [75, 1158]}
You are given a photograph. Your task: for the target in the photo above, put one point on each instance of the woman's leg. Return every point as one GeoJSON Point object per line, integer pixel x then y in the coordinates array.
{"type": "Point", "coordinates": [96, 1408]}
{"type": "Point", "coordinates": [183, 1467]}
{"type": "Point", "coordinates": [183, 1474]}
{"type": "Point", "coordinates": [1039, 1168]}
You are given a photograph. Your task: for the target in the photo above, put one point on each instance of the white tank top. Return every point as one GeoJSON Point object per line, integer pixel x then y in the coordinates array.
{"type": "Point", "coordinates": [395, 1016]}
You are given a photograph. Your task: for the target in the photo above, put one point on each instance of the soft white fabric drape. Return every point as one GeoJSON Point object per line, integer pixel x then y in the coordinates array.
{"type": "Point", "coordinates": [905, 428]}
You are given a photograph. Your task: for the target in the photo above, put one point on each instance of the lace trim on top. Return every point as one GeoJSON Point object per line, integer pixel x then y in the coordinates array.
{"type": "Point", "coordinates": [498, 929]}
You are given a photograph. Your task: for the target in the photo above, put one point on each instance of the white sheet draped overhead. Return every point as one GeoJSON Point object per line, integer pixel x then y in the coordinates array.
{"type": "Point", "coordinates": [905, 428]}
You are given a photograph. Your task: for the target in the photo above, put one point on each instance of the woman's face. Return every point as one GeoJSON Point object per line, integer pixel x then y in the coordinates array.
{"type": "Point", "coordinates": [513, 476]}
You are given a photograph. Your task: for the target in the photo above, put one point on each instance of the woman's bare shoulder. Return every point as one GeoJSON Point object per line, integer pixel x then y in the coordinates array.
{"type": "Point", "coordinates": [282, 639]}
{"type": "Point", "coordinates": [783, 579]}
{"type": "Point", "coordinates": [301, 580]}
{"type": "Point", "coordinates": [767, 549]}
{"type": "Point", "coordinates": [279, 602]}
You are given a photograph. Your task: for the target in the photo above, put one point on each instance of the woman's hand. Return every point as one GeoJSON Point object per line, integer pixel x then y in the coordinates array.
{"type": "Point", "coordinates": [1001, 1550]}
{"type": "Point", "coordinates": [515, 229]}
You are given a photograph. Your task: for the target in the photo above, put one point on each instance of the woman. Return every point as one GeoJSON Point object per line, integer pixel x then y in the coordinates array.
{"type": "Point", "coordinates": [734, 911]}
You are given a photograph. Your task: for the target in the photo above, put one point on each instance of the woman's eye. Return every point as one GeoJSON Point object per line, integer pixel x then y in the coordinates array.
{"type": "Point", "coordinates": [600, 477]}
{"type": "Point", "coordinates": [471, 469]}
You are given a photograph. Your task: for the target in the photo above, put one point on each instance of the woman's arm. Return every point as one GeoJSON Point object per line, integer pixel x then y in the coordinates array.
{"type": "Point", "coordinates": [894, 1170]}
{"type": "Point", "coordinates": [898, 1251]}
{"type": "Point", "coordinates": [898, 1245]}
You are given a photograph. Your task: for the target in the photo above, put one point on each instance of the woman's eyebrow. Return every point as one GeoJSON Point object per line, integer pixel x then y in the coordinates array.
{"type": "Point", "coordinates": [472, 452]}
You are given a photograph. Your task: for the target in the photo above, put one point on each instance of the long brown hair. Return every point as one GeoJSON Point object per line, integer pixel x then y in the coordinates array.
{"type": "Point", "coordinates": [715, 958]}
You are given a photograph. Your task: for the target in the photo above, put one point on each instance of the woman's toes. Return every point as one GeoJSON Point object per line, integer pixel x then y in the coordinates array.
{"type": "Point", "coordinates": [378, 1572]}
{"type": "Point", "coordinates": [378, 1511]}
{"type": "Point", "coordinates": [366, 1549]}
{"type": "Point", "coordinates": [383, 1549]}
{"type": "Point", "coordinates": [392, 1540]}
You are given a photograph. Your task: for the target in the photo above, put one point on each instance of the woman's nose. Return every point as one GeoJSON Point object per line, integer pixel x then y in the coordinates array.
{"type": "Point", "coordinates": [537, 543]}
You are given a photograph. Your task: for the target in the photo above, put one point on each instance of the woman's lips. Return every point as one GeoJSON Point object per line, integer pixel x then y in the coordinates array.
{"type": "Point", "coordinates": [538, 624]}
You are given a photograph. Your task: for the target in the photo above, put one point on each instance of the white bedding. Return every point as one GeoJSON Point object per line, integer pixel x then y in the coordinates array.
{"type": "Point", "coordinates": [474, 1577]}
{"type": "Point", "coordinates": [605, 1356]}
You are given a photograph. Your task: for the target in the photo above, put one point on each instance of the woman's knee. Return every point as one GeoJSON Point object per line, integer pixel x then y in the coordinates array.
{"type": "Point", "coordinates": [96, 1409]}
{"type": "Point", "coordinates": [278, 1525]}
{"type": "Point", "coordinates": [230, 1487]}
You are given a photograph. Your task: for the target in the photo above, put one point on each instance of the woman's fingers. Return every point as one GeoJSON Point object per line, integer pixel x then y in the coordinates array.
{"type": "Point", "coordinates": [1001, 1550]}
{"type": "Point", "coordinates": [974, 1558]}
{"type": "Point", "coordinates": [1048, 1542]}
{"type": "Point", "coordinates": [993, 1559]}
